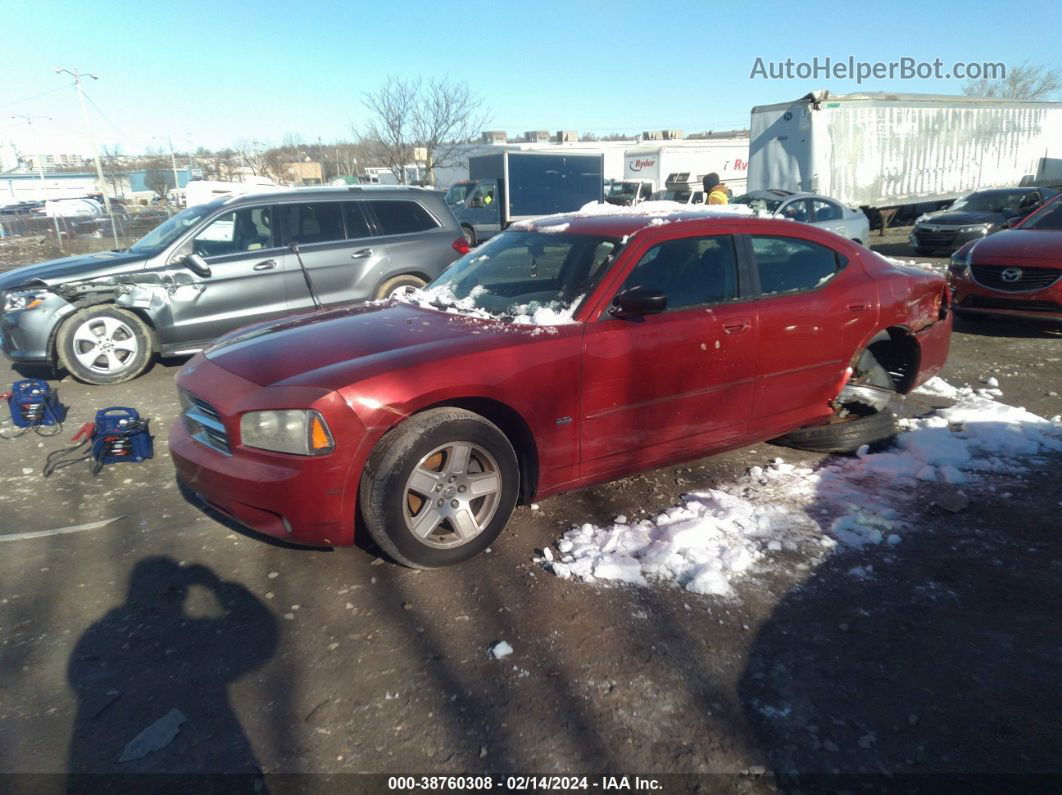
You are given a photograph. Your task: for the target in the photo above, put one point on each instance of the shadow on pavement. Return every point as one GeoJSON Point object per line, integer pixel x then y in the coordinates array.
{"type": "Point", "coordinates": [944, 660]}
{"type": "Point", "coordinates": [162, 663]}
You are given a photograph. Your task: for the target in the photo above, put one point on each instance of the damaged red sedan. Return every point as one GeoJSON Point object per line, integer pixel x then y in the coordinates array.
{"type": "Point", "coordinates": [562, 353]}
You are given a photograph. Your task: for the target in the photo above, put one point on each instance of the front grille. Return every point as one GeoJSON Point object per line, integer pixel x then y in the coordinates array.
{"type": "Point", "coordinates": [980, 302]}
{"type": "Point", "coordinates": [1028, 280]}
{"type": "Point", "coordinates": [204, 423]}
{"type": "Point", "coordinates": [934, 239]}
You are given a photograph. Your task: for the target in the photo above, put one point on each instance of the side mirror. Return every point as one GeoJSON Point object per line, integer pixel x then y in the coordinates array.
{"type": "Point", "coordinates": [196, 265]}
{"type": "Point", "coordinates": [1010, 223]}
{"type": "Point", "coordinates": [637, 302]}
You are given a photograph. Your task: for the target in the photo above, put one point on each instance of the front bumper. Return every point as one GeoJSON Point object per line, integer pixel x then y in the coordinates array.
{"type": "Point", "coordinates": [308, 500]}
{"type": "Point", "coordinates": [26, 335]}
{"type": "Point", "coordinates": [971, 298]}
{"type": "Point", "coordinates": [944, 240]}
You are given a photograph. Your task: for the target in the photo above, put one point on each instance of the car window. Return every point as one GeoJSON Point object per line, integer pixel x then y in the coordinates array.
{"type": "Point", "coordinates": [690, 271]}
{"type": "Point", "coordinates": [354, 218]}
{"type": "Point", "coordinates": [400, 217]}
{"type": "Point", "coordinates": [796, 210]}
{"type": "Point", "coordinates": [248, 229]}
{"type": "Point", "coordinates": [317, 222]}
{"type": "Point", "coordinates": [787, 265]}
{"type": "Point", "coordinates": [826, 211]}
{"type": "Point", "coordinates": [698, 197]}
{"type": "Point", "coordinates": [1048, 218]}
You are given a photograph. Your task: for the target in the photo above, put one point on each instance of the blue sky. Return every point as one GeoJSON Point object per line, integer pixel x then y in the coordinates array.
{"type": "Point", "coordinates": [211, 73]}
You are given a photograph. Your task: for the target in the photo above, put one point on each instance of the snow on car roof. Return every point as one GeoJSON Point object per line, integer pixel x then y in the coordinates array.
{"type": "Point", "coordinates": [610, 219]}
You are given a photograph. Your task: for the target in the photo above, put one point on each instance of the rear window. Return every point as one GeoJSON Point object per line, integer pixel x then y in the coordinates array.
{"type": "Point", "coordinates": [401, 217]}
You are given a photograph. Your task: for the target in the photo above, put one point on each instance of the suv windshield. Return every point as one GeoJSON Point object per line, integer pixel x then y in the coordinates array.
{"type": "Point", "coordinates": [522, 276]}
{"type": "Point", "coordinates": [165, 233]}
{"type": "Point", "coordinates": [990, 202]}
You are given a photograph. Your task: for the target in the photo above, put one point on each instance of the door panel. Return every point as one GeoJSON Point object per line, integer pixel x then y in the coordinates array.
{"type": "Point", "coordinates": [340, 269]}
{"type": "Point", "coordinates": [246, 284]}
{"type": "Point", "coordinates": [677, 382]}
{"type": "Point", "coordinates": [807, 334]}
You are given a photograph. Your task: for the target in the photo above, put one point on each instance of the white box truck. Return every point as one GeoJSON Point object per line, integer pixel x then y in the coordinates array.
{"type": "Point", "coordinates": [877, 150]}
{"type": "Point", "coordinates": [654, 163]}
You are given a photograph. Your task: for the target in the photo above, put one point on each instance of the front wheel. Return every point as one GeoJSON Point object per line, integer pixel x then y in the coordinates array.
{"type": "Point", "coordinates": [104, 345]}
{"type": "Point", "coordinates": [439, 488]}
{"type": "Point", "coordinates": [864, 413]}
{"type": "Point", "coordinates": [470, 235]}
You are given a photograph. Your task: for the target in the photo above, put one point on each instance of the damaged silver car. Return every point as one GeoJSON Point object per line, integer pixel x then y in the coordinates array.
{"type": "Point", "coordinates": [218, 266]}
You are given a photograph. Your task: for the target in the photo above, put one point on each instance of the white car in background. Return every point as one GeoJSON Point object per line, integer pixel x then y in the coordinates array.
{"type": "Point", "coordinates": [810, 208]}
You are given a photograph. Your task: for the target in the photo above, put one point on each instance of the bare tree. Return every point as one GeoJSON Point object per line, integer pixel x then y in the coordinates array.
{"type": "Point", "coordinates": [423, 124]}
{"type": "Point", "coordinates": [114, 169]}
{"type": "Point", "coordinates": [158, 176]}
{"type": "Point", "coordinates": [1028, 82]}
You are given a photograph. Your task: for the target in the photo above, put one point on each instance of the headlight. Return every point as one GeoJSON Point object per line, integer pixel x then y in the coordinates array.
{"type": "Point", "coordinates": [976, 228]}
{"type": "Point", "coordinates": [296, 431]}
{"type": "Point", "coordinates": [22, 299]}
{"type": "Point", "coordinates": [960, 260]}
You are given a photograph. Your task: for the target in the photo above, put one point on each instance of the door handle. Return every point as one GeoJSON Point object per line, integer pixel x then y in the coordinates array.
{"type": "Point", "coordinates": [736, 326]}
{"type": "Point", "coordinates": [268, 265]}
{"type": "Point", "coordinates": [361, 253]}
{"type": "Point", "coordinates": [857, 307]}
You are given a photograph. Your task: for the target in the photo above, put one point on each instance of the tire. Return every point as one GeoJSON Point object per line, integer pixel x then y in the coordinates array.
{"type": "Point", "coordinates": [470, 235]}
{"type": "Point", "coordinates": [860, 424]}
{"type": "Point", "coordinates": [397, 283]}
{"type": "Point", "coordinates": [413, 461]}
{"type": "Point", "coordinates": [122, 341]}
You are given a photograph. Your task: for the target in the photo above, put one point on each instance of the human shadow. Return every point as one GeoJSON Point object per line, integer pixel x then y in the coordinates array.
{"type": "Point", "coordinates": [161, 662]}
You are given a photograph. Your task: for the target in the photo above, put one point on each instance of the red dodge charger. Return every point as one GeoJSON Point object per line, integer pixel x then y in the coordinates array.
{"type": "Point", "coordinates": [562, 353]}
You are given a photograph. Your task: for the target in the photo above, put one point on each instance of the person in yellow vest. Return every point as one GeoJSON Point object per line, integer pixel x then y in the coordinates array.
{"type": "Point", "coordinates": [715, 192]}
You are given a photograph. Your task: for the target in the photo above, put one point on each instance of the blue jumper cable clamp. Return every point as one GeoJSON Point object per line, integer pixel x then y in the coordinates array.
{"type": "Point", "coordinates": [117, 435]}
{"type": "Point", "coordinates": [33, 405]}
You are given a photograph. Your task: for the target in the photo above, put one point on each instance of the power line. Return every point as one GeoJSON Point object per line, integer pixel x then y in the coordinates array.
{"type": "Point", "coordinates": [35, 96]}
{"type": "Point", "coordinates": [113, 126]}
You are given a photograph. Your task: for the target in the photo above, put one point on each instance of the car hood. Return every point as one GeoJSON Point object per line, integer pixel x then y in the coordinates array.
{"type": "Point", "coordinates": [333, 348]}
{"type": "Point", "coordinates": [1020, 245]}
{"type": "Point", "coordinates": [964, 218]}
{"type": "Point", "coordinates": [66, 269]}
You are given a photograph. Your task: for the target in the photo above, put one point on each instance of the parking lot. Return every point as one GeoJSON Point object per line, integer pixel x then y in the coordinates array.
{"type": "Point", "coordinates": [294, 660]}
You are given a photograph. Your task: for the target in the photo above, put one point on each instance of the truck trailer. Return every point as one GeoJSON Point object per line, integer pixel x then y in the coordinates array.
{"type": "Point", "coordinates": [512, 186]}
{"type": "Point", "coordinates": [653, 164]}
{"type": "Point", "coordinates": [878, 150]}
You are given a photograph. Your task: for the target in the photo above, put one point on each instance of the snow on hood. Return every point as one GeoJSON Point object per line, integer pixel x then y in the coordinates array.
{"type": "Point", "coordinates": [442, 298]}
{"type": "Point", "coordinates": [717, 536]}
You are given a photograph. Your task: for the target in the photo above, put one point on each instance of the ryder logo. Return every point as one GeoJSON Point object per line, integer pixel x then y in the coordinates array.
{"type": "Point", "coordinates": [638, 165]}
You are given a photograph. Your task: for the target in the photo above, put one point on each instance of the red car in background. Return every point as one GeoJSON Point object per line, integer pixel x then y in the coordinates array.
{"type": "Point", "coordinates": [1013, 273]}
{"type": "Point", "coordinates": [560, 354]}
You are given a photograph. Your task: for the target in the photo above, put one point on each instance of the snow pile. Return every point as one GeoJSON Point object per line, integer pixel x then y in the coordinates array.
{"type": "Point", "coordinates": [657, 208]}
{"type": "Point", "coordinates": [552, 314]}
{"type": "Point", "coordinates": [719, 535]}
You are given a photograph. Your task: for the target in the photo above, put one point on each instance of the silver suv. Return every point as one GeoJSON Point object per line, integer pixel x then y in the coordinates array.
{"type": "Point", "coordinates": [218, 266]}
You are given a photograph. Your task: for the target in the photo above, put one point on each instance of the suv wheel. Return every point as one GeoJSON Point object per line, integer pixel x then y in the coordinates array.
{"type": "Point", "coordinates": [470, 235]}
{"type": "Point", "coordinates": [439, 488]}
{"type": "Point", "coordinates": [399, 285]}
{"type": "Point", "coordinates": [104, 345]}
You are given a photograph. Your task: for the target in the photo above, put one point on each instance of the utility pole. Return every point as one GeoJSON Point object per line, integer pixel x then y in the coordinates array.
{"type": "Point", "coordinates": [40, 173]}
{"type": "Point", "coordinates": [92, 138]}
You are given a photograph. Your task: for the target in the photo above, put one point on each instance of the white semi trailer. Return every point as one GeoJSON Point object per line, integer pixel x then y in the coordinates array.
{"type": "Point", "coordinates": [880, 151]}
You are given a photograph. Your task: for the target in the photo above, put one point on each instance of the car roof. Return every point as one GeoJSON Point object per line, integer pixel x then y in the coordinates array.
{"type": "Point", "coordinates": [1004, 191]}
{"type": "Point", "coordinates": [322, 192]}
{"type": "Point", "coordinates": [625, 221]}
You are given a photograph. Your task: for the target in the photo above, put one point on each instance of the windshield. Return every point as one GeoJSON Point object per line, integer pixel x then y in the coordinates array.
{"type": "Point", "coordinates": [622, 188]}
{"type": "Point", "coordinates": [165, 233]}
{"type": "Point", "coordinates": [990, 202]}
{"type": "Point", "coordinates": [759, 203]}
{"type": "Point", "coordinates": [459, 192]}
{"type": "Point", "coordinates": [1050, 218]}
{"type": "Point", "coordinates": [680, 196]}
{"type": "Point", "coordinates": [522, 276]}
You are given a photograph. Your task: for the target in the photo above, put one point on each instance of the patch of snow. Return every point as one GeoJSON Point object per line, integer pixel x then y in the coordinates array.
{"type": "Point", "coordinates": [717, 536]}
{"type": "Point", "coordinates": [500, 650]}
{"type": "Point", "coordinates": [657, 208]}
